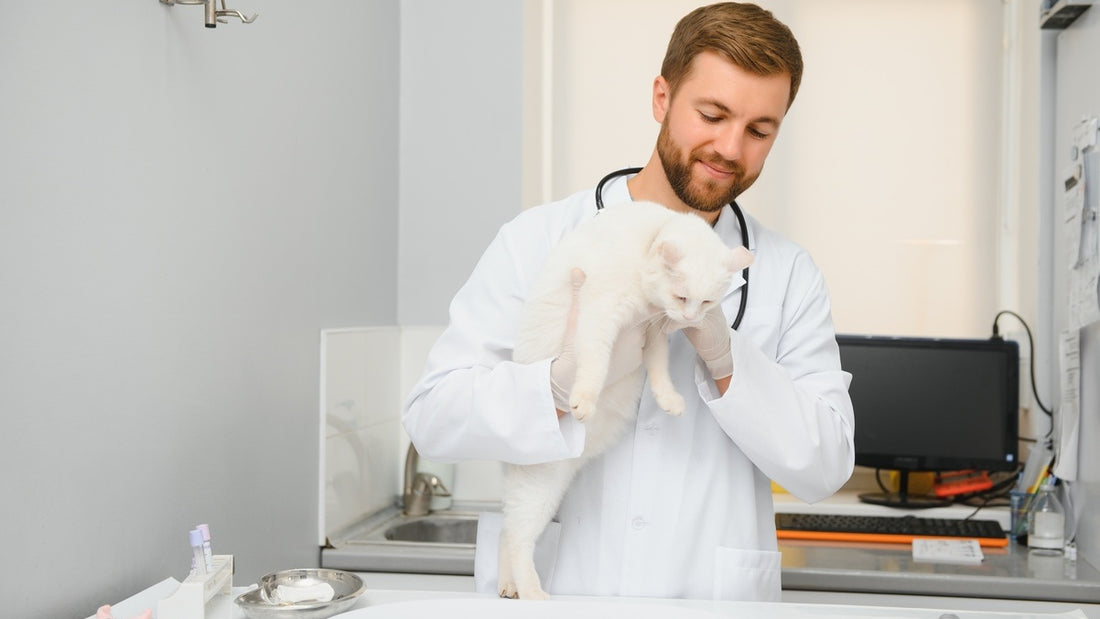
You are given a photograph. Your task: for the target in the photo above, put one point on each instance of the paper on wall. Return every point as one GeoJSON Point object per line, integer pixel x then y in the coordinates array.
{"type": "Point", "coordinates": [1069, 411]}
{"type": "Point", "coordinates": [1073, 204]}
{"type": "Point", "coordinates": [1081, 234]}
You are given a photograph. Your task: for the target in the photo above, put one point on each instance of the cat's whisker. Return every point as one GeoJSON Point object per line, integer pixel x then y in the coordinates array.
{"type": "Point", "coordinates": [653, 318]}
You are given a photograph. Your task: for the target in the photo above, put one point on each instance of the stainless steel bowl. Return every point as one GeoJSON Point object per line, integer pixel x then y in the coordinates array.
{"type": "Point", "coordinates": [260, 603]}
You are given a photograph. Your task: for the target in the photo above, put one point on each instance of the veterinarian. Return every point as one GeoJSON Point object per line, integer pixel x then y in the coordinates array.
{"type": "Point", "coordinates": [682, 506]}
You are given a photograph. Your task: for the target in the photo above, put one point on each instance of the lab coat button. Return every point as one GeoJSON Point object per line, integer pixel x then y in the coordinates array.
{"type": "Point", "coordinates": [638, 523]}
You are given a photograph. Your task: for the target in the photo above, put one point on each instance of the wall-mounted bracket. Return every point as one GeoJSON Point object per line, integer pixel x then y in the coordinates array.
{"type": "Point", "coordinates": [1059, 14]}
{"type": "Point", "coordinates": [214, 15]}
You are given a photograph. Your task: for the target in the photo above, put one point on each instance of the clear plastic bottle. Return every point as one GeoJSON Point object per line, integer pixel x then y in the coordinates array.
{"type": "Point", "coordinates": [1046, 522]}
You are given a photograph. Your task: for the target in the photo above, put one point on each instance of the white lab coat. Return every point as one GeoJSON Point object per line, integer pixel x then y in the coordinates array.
{"type": "Point", "coordinates": [681, 506]}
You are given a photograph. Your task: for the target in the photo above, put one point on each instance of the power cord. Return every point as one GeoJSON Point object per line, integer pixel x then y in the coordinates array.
{"type": "Point", "coordinates": [1031, 355]}
{"type": "Point", "coordinates": [994, 496]}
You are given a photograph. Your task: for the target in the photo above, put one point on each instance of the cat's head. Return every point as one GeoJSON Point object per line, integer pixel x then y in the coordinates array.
{"type": "Point", "coordinates": [690, 269]}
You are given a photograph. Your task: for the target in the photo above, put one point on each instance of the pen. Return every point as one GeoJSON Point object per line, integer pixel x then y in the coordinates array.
{"type": "Point", "coordinates": [1046, 478]}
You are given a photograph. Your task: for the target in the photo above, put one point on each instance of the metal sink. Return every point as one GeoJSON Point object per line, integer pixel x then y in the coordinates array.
{"type": "Point", "coordinates": [441, 542]}
{"type": "Point", "coordinates": [435, 529]}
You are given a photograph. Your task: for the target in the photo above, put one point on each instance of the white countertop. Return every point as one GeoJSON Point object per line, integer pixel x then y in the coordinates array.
{"type": "Point", "coordinates": [429, 604]}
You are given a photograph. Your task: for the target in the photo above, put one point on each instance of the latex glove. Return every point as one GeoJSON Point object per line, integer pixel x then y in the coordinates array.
{"type": "Point", "coordinates": [626, 353]}
{"type": "Point", "coordinates": [711, 339]}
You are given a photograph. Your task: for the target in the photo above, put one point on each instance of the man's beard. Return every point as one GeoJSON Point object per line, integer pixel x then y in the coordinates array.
{"type": "Point", "coordinates": [712, 196]}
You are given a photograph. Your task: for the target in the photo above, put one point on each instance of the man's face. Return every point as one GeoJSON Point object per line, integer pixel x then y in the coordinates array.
{"type": "Point", "coordinates": [717, 129]}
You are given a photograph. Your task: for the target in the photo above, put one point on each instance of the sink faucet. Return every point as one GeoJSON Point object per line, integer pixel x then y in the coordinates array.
{"type": "Point", "coordinates": [419, 487]}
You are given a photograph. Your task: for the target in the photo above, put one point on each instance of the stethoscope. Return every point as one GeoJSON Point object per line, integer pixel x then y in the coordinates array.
{"type": "Point", "coordinates": [740, 222]}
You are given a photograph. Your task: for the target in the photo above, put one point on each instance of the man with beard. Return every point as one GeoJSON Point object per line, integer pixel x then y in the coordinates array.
{"type": "Point", "coordinates": [681, 507]}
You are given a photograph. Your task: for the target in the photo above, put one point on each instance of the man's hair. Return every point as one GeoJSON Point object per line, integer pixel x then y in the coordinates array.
{"type": "Point", "coordinates": [745, 34]}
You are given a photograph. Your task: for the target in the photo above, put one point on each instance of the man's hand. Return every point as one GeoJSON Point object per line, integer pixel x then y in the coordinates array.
{"type": "Point", "coordinates": [711, 339]}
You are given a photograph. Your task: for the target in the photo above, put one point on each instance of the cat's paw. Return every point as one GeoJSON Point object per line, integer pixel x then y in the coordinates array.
{"type": "Point", "coordinates": [533, 593]}
{"type": "Point", "coordinates": [507, 589]}
{"type": "Point", "coordinates": [670, 401]}
{"type": "Point", "coordinates": [582, 404]}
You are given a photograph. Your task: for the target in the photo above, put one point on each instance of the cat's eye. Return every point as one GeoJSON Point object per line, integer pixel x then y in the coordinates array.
{"type": "Point", "coordinates": [682, 299]}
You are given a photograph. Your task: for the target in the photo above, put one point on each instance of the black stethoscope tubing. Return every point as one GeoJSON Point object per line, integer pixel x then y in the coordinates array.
{"type": "Point", "coordinates": [740, 222]}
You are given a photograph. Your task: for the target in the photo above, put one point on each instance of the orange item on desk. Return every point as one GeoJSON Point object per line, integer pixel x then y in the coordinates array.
{"type": "Point", "coordinates": [961, 482]}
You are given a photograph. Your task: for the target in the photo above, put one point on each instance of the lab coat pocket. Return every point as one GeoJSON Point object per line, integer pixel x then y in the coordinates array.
{"type": "Point", "coordinates": [488, 546]}
{"type": "Point", "coordinates": [746, 575]}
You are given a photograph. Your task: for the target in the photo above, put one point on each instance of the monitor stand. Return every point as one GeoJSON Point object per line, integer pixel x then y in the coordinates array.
{"type": "Point", "coordinates": [902, 498]}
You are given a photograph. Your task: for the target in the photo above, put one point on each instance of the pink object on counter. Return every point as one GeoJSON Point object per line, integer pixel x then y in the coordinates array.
{"type": "Point", "coordinates": [104, 612]}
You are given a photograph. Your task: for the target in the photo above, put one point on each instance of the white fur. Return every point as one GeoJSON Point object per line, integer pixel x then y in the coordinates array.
{"type": "Point", "coordinates": [647, 267]}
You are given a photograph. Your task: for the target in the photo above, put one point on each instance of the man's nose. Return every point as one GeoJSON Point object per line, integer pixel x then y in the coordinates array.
{"type": "Point", "coordinates": [728, 143]}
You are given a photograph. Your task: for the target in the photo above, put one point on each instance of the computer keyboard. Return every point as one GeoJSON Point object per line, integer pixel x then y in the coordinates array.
{"type": "Point", "coordinates": [889, 529]}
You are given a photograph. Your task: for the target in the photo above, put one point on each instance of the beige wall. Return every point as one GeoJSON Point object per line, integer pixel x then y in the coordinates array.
{"type": "Point", "coordinates": [906, 165]}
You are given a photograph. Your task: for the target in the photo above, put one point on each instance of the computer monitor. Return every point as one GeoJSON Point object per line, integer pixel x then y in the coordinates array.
{"type": "Point", "coordinates": [931, 404]}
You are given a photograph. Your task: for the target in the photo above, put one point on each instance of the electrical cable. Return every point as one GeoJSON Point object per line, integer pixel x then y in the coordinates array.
{"type": "Point", "coordinates": [999, 490]}
{"type": "Point", "coordinates": [1031, 355]}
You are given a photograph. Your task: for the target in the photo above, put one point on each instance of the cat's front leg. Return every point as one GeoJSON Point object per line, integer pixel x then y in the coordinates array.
{"type": "Point", "coordinates": [599, 325]}
{"type": "Point", "coordinates": [655, 355]}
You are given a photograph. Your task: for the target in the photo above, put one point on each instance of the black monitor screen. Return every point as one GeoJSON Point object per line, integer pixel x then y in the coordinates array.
{"type": "Point", "coordinates": [930, 404]}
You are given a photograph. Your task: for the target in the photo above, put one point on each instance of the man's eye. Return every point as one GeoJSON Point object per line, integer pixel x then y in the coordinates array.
{"type": "Point", "coordinates": [708, 118]}
{"type": "Point", "coordinates": [758, 134]}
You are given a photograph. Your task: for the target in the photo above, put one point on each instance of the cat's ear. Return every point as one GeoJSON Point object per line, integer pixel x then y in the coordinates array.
{"type": "Point", "coordinates": [737, 259]}
{"type": "Point", "coordinates": [669, 253]}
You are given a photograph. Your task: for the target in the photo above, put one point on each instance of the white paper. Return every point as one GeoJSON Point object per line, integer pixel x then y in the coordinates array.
{"type": "Point", "coordinates": [1069, 412]}
{"type": "Point", "coordinates": [1084, 294]}
{"type": "Point", "coordinates": [1073, 203]}
{"type": "Point", "coordinates": [1081, 227]}
{"type": "Point", "coordinates": [962, 551]}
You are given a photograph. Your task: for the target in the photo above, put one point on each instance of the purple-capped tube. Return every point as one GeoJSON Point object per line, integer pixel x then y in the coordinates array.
{"type": "Point", "coordinates": [198, 560]}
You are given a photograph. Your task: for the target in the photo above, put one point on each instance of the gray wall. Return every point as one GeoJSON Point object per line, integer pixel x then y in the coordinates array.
{"type": "Point", "coordinates": [461, 139]}
{"type": "Point", "coordinates": [181, 211]}
{"type": "Point", "coordinates": [1077, 95]}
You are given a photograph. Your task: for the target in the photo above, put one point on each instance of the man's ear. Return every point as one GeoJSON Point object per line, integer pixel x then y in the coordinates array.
{"type": "Point", "coordinates": [661, 97]}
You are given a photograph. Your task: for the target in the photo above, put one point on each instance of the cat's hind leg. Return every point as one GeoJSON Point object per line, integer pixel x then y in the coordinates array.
{"type": "Point", "coordinates": [506, 581]}
{"type": "Point", "coordinates": [532, 495]}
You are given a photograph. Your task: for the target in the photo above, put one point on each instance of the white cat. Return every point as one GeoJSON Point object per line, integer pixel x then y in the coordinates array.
{"type": "Point", "coordinates": [646, 267]}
